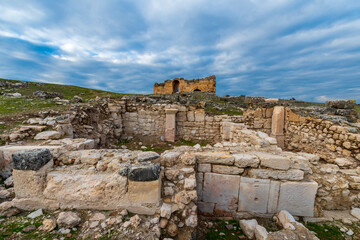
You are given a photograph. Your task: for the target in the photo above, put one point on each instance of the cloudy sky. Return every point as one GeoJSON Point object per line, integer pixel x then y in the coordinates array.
{"type": "Point", "coordinates": [309, 50]}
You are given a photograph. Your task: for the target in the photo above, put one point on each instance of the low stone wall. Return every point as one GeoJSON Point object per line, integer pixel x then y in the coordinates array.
{"type": "Point", "coordinates": [88, 179]}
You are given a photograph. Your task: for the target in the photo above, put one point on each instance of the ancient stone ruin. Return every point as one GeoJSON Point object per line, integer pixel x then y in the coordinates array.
{"type": "Point", "coordinates": [178, 85]}
{"type": "Point", "coordinates": [270, 160]}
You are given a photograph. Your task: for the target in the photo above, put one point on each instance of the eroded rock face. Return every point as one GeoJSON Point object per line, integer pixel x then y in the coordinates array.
{"type": "Point", "coordinates": [31, 160]}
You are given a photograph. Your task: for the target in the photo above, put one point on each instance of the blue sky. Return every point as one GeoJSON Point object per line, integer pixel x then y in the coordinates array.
{"type": "Point", "coordinates": [309, 50]}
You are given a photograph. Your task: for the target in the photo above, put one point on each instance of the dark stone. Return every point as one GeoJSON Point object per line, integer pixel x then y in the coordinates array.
{"type": "Point", "coordinates": [31, 160]}
{"type": "Point", "coordinates": [341, 104]}
{"type": "Point", "coordinates": [144, 173]}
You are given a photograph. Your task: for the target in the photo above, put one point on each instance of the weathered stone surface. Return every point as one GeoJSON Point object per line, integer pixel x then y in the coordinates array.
{"type": "Point", "coordinates": [248, 227]}
{"type": "Point", "coordinates": [48, 135]}
{"type": "Point", "coordinates": [143, 173]}
{"type": "Point", "coordinates": [206, 207]}
{"type": "Point", "coordinates": [147, 156]}
{"type": "Point", "coordinates": [31, 160]}
{"type": "Point", "coordinates": [165, 210]}
{"type": "Point", "coordinates": [215, 157]}
{"type": "Point", "coordinates": [28, 183]}
{"type": "Point", "coordinates": [253, 195]}
{"type": "Point", "coordinates": [273, 161]}
{"type": "Point", "coordinates": [246, 160]}
{"type": "Point", "coordinates": [191, 221]}
{"type": "Point", "coordinates": [293, 174]}
{"type": "Point", "coordinates": [35, 214]}
{"type": "Point", "coordinates": [48, 225]}
{"type": "Point", "coordinates": [144, 192]}
{"type": "Point", "coordinates": [168, 159]}
{"type": "Point", "coordinates": [199, 185]}
{"type": "Point", "coordinates": [68, 219]}
{"type": "Point", "coordinates": [355, 212]}
{"type": "Point", "coordinates": [285, 218]}
{"type": "Point", "coordinates": [190, 183]}
{"type": "Point", "coordinates": [260, 233]}
{"type": "Point", "coordinates": [227, 170]}
{"type": "Point", "coordinates": [274, 192]}
{"type": "Point", "coordinates": [221, 189]}
{"type": "Point", "coordinates": [298, 197]}
{"type": "Point", "coordinates": [204, 167]}
{"type": "Point", "coordinates": [81, 189]}
{"type": "Point", "coordinates": [343, 162]}
{"type": "Point", "coordinates": [33, 203]}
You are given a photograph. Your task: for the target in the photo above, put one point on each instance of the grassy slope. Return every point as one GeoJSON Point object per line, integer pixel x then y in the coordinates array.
{"type": "Point", "coordinates": [11, 106]}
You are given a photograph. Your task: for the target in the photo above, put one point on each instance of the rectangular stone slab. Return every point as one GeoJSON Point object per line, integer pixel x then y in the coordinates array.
{"type": "Point", "coordinates": [253, 195]}
{"type": "Point", "coordinates": [221, 189]}
{"type": "Point", "coordinates": [298, 198]}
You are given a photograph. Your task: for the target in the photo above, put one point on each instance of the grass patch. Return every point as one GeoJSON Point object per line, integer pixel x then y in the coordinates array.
{"type": "Point", "coordinates": [223, 230]}
{"type": "Point", "coordinates": [325, 231]}
{"type": "Point", "coordinates": [357, 109]}
{"type": "Point", "coordinates": [228, 111]}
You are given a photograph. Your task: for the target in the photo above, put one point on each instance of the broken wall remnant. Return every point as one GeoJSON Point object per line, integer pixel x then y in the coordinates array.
{"type": "Point", "coordinates": [170, 125]}
{"type": "Point", "coordinates": [178, 85]}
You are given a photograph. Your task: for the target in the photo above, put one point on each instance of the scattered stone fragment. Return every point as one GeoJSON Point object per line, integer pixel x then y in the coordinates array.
{"type": "Point", "coordinates": [29, 228]}
{"type": "Point", "coordinates": [98, 216]}
{"type": "Point", "coordinates": [260, 233]}
{"type": "Point", "coordinates": [124, 213]}
{"type": "Point", "coordinates": [68, 219]}
{"type": "Point", "coordinates": [46, 135]}
{"type": "Point", "coordinates": [9, 182]}
{"type": "Point", "coordinates": [172, 229]}
{"type": "Point", "coordinates": [35, 214]}
{"type": "Point", "coordinates": [248, 227]}
{"type": "Point", "coordinates": [48, 225]}
{"type": "Point", "coordinates": [135, 221]}
{"type": "Point", "coordinates": [355, 212]}
{"type": "Point", "coordinates": [163, 222]}
{"type": "Point", "coordinates": [165, 210]}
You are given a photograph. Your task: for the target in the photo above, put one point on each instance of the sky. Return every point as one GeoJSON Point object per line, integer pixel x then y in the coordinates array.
{"type": "Point", "coordinates": [309, 50]}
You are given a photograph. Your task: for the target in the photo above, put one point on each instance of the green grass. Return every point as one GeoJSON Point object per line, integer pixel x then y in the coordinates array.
{"type": "Point", "coordinates": [228, 111]}
{"type": "Point", "coordinates": [357, 109]}
{"type": "Point", "coordinates": [27, 102]}
{"type": "Point", "coordinates": [325, 231]}
{"type": "Point", "coordinates": [219, 230]}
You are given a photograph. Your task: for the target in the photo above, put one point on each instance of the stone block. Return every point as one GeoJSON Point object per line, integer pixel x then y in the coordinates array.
{"type": "Point", "coordinates": [298, 198]}
{"type": "Point", "coordinates": [46, 135]}
{"type": "Point", "coordinates": [144, 192]}
{"type": "Point", "coordinates": [28, 183]}
{"type": "Point", "coordinates": [221, 189]}
{"type": "Point", "coordinates": [215, 157]}
{"type": "Point", "coordinates": [253, 195]}
{"type": "Point", "coordinates": [205, 207]}
{"type": "Point", "coordinates": [31, 160]}
{"type": "Point", "coordinates": [230, 170]}
{"type": "Point", "coordinates": [190, 116]}
{"type": "Point", "coordinates": [293, 174]}
{"type": "Point", "coordinates": [144, 173]}
{"type": "Point", "coordinates": [82, 189]}
{"type": "Point", "coordinates": [29, 204]}
{"type": "Point", "coordinates": [274, 192]}
{"type": "Point", "coordinates": [274, 161]}
{"type": "Point", "coordinates": [199, 116]}
{"type": "Point", "coordinates": [204, 168]}
{"type": "Point", "coordinates": [277, 124]}
{"type": "Point", "coordinates": [246, 160]}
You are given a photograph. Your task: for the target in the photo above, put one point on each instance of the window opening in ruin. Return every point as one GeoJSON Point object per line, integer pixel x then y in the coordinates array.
{"type": "Point", "coordinates": [197, 90]}
{"type": "Point", "coordinates": [176, 87]}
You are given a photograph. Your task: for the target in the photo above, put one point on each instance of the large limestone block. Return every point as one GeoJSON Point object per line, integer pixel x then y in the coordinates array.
{"type": "Point", "coordinates": [31, 160]}
{"type": "Point", "coordinates": [80, 189]}
{"type": "Point", "coordinates": [215, 157]}
{"type": "Point", "coordinates": [29, 183]}
{"type": "Point", "coordinates": [221, 189]}
{"type": "Point", "coordinates": [230, 170]}
{"type": "Point", "coordinates": [293, 174]}
{"type": "Point", "coordinates": [144, 192]}
{"type": "Point", "coordinates": [298, 198]}
{"type": "Point", "coordinates": [274, 161]}
{"type": "Point", "coordinates": [253, 195]}
{"type": "Point", "coordinates": [35, 203]}
{"type": "Point", "coordinates": [246, 160]}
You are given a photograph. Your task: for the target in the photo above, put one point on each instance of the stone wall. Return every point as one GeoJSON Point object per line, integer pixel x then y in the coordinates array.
{"type": "Point", "coordinates": [207, 84]}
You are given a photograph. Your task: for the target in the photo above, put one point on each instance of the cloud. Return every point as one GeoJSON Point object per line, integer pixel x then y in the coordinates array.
{"type": "Point", "coordinates": [284, 48]}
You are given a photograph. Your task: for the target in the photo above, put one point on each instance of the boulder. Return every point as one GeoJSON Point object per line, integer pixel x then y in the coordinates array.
{"type": "Point", "coordinates": [144, 173]}
{"type": "Point", "coordinates": [248, 227]}
{"type": "Point", "coordinates": [68, 219]}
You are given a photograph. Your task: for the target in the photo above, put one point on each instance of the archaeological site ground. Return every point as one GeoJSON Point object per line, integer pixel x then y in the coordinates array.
{"type": "Point", "coordinates": [182, 163]}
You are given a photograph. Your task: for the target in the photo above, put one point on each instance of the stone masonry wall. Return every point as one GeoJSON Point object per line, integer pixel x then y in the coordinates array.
{"type": "Point", "coordinates": [207, 84]}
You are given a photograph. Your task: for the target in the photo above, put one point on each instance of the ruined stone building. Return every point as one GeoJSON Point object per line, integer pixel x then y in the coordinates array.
{"type": "Point", "coordinates": [207, 84]}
